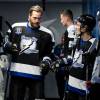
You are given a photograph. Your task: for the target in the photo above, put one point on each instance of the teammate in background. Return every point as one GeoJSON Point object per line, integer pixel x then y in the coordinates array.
{"type": "Point", "coordinates": [69, 39]}
{"type": "Point", "coordinates": [82, 61]}
{"type": "Point", "coordinates": [60, 73]}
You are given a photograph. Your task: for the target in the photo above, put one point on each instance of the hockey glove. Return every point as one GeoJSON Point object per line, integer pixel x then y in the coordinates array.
{"type": "Point", "coordinates": [45, 66]}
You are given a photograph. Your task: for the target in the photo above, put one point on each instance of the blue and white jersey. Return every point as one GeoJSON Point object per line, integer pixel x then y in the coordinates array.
{"type": "Point", "coordinates": [71, 35]}
{"type": "Point", "coordinates": [82, 66]}
{"type": "Point", "coordinates": [96, 70]}
{"type": "Point", "coordinates": [42, 28]}
{"type": "Point", "coordinates": [32, 45]}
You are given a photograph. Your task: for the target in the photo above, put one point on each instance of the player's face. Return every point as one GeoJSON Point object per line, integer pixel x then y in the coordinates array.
{"type": "Point", "coordinates": [35, 19]}
{"type": "Point", "coordinates": [64, 20]}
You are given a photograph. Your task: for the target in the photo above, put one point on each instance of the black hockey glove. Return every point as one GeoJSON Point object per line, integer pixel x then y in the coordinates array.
{"type": "Point", "coordinates": [61, 63]}
{"type": "Point", "coordinates": [45, 66]}
{"type": "Point", "coordinates": [57, 64]}
{"type": "Point", "coordinates": [10, 48]}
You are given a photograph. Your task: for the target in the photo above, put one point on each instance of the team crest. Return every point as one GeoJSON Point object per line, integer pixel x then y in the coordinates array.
{"type": "Point", "coordinates": [28, 45]}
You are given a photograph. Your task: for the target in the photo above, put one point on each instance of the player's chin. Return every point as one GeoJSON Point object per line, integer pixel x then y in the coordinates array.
{"type": "Point", "coordinates": [36, 25]}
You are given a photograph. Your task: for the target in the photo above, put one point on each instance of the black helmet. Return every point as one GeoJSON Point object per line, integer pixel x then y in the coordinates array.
{"type": "Point", "coordinates": [88, 20]}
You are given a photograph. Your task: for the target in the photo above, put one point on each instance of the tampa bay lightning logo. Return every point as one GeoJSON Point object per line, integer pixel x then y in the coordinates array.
{"type": "Point", "coordinates": [28, 45]}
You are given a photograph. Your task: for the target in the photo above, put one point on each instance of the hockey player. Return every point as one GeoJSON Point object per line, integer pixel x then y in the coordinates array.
{"type": "Point", "coordinates": [83, 59]}
{"type": "Point", "coordinates": [68, 40]}
{"type": "Point", "coordinates": [66, 18]}
{"type": "Point", "coordinates": [30, 44]}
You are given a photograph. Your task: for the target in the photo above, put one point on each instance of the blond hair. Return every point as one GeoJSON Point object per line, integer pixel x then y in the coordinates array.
{"type": "Point", "coordinates": [36, 8]}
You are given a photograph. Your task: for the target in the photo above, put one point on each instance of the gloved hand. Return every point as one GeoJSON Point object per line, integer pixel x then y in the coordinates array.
{"type": "Point", "coordinates": [45, 66]}
{"type": "Point", "coordinates": [9, 47]}
{"type": "Point", "coordinates": [61, 63]}
{"type": "Point", "coordinates": [57, 64]}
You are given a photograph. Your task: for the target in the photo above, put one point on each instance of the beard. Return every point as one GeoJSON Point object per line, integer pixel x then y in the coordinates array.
{"type": "Point", "coordinates": [35, 25]}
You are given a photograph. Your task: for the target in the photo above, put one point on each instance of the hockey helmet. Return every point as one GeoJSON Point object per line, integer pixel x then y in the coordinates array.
{"type": "Point", "coordinates": [88, 20]}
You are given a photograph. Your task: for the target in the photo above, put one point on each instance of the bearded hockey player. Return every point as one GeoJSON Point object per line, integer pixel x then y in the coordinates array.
{"type": "Point", "coordinates": [30, 44]}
